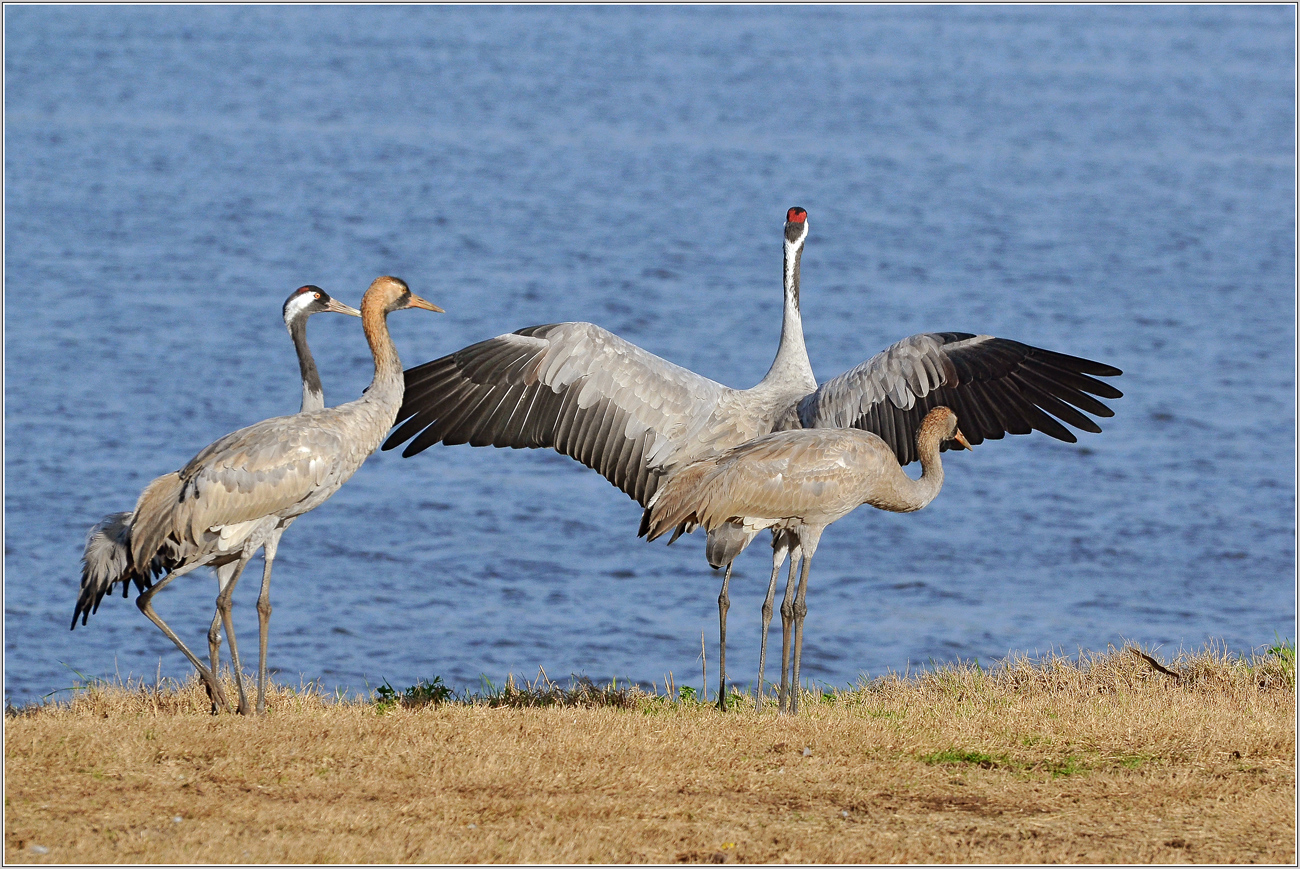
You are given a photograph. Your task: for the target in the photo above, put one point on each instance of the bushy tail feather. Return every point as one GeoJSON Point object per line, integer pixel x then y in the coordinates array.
{"type": "Point", "coordinates": [645, 522]}
{"type": "Point", "coordinates": [660, 522]}
{"type": "Point", "coordinates": [675, 501]}
{"type": "Point", "coordinates": [106, 562]}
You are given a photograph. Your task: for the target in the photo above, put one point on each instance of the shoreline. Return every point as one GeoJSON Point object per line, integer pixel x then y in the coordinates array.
{"type": "Point", "coordinates": [1102, 760]}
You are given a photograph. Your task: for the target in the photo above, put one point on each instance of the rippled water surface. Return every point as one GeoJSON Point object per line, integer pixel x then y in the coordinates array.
{"type": "Point", "coordinates": [1110, 182]}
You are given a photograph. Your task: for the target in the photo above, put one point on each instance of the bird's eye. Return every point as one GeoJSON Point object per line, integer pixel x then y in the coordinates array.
{"type": "Point", "coordinates": [317, 295]}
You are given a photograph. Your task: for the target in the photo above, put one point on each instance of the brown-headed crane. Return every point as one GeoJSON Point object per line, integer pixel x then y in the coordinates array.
{"type": "Point", "coordinates": [796, 482]}
{"type": "Point", "coordinates": [240, 493]}
{"type": "Point", "coordinates": [108, 544]}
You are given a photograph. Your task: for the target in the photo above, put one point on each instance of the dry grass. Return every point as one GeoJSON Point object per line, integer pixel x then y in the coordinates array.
{"type": "Point", "coordinates": [1106, 760]}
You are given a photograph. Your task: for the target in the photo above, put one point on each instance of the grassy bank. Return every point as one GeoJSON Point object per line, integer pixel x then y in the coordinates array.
{"type": "Point", "coordinates": [1102, 760]}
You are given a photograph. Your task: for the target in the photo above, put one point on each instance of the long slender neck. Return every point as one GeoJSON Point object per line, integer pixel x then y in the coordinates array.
{"type": "Point", "coordinates": [924, 490]}
{"type": "Point", "coordinates": [313, 396]}
{"type": "Point", "coordinates": [387, 383]}
{"type": "Point", "coordinates": [791, 366]}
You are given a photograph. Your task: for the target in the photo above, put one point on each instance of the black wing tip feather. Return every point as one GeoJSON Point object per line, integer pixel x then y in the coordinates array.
{"type": "Point", "coordinates": [1077, 363]}
{"type": "Point", "coordinates": [1055, 388]}
{"type": "Point", "coordinates": [1074, 364]}
{"type": "Point", "coordinates": [420, 443]}
{"type": "Point", "coordinates": [92, 595]}
{"type": "Point", "coordinates": [403, 432]}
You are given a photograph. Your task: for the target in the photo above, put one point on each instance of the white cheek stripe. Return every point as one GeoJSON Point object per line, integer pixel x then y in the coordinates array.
{"type": "Point", "coordinates": [297, 304]}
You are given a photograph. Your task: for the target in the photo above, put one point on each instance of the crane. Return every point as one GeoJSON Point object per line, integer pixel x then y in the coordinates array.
{"type": "Point", "coordinates": [301, 305]}
{"type": "Point", "coordinates": [109, 541]}
{"type": "Point", "coordinates": [240, 493]}
{"type": "Point", "coordinates": [798, 482]}
{"type": "Point", "coordinates": [636, 418]}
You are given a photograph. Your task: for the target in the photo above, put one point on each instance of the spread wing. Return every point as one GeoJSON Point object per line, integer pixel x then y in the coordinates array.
{"type": "Point", "coordinates": [574, 387]}
{"type": "Point", "coordinates": [994, 385]}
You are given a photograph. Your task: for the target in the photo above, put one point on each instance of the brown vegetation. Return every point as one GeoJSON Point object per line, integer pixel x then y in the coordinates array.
{"type": "Point", "coordinates": [1107, 760]}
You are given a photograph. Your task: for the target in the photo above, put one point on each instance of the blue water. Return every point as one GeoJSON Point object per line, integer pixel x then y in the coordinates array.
{"type": "Point", "coordinates": [1113, 182]}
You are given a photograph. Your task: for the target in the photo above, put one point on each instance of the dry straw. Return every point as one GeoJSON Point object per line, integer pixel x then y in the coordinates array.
{"type": "Point", "coordinates": [1103, 757]}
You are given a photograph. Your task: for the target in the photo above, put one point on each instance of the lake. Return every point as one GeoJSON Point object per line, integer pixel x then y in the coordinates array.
{"type": "Point", "coordinates": [1110, 182]}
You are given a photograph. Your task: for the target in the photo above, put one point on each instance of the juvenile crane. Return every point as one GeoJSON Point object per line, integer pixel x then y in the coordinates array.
{"type": "Point", "coordinates": [797, 482]}
{"type": "Point", "coordinates": [240, 493]}
{"type": "Point", "coordinates": [109, 542]}
{"type": "Point", "coordinates": [636, 418]}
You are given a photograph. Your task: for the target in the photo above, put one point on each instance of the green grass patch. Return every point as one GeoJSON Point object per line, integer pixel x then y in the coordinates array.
{"type": "Point", "coordinates": [961, 756]}
{"type": "Point", "coordinates": [580, 692]}
{"type": "Point", "coordinates": [422, 693]}
{"type": "Point", "coordinates": [1058, 768]}
{"type": "Point", "coordinates": [1071, 765]}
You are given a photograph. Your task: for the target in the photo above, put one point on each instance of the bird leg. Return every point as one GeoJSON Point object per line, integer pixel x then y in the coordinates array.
{"type": "Point", "coordinates": [144, 602]}
{"type": "Point", "coordinates": [264, 618]}
{"type": "Point", "coordinates": [223, 607]}
{"type": "Point", "coordinates": [214, 632]}
{"type": "Point", "coordinates": [724, 603]}
{"type": "Point", "coordinates": [787, 622]}
{"type": "Point", "coordinates": [800, 610]}
{"type": "Point", "coordinates": [779, 548]}
{"type": "Point", "coordinates": [214, 638]}
{"type": "Point", "coordinates": [809, 537]}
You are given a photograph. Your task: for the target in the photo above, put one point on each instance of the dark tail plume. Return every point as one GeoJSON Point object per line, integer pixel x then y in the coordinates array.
{"type": "Point", "coordinates": [107, 561]}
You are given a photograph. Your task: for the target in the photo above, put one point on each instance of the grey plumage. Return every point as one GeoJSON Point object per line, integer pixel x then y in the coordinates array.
{"type": "Point", "coordinates": [298, 308]}
{"type": "Point", "coordinates": [591, 395]}
{"type": "Point", "coordinates": [724, 543]}
{"type": "Point", "coordinates": [798, 482]}
{"type": "Point", "coordinates": [106, 559]}
{"type": "Point", "coordinates": [240, 493]}
{"type": "Point", "coordinates": [105, 562]}
{"type": "Point", "coordinates": [636, 418]}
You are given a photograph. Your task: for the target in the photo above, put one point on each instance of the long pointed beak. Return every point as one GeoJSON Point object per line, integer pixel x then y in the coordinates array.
{"type": "Point", "coordinates": [339, 308]}
{"type": "Point", "coordinates": [961, 439]}
{"type": "Point", "coordinates": [417, 302]}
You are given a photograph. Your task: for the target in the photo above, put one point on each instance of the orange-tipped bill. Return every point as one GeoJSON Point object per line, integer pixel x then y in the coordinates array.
{"type": "Point", "coordinates": [417, 302]}
{"type": "Point", "coordinates": [339, 308]}
{"type": "Point", "coordinates": [961, 439]}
